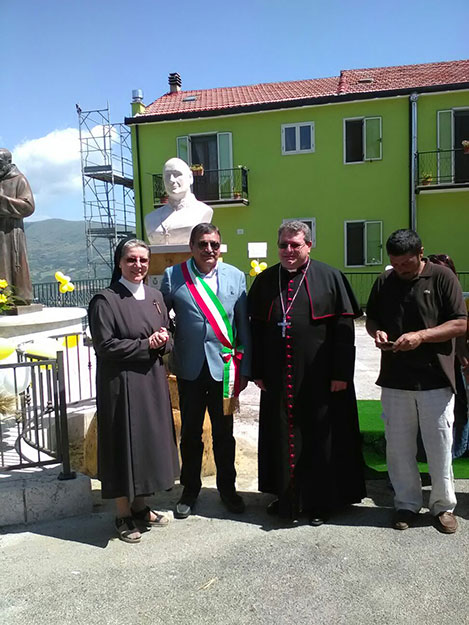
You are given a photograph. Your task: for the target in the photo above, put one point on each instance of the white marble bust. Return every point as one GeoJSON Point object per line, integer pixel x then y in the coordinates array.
{"type": "Point", "coordinates": [171, 224]}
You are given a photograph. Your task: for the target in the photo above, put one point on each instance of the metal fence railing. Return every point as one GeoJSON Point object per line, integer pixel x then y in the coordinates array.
{"type": "Point", "coordinates": [48, 377]}
{"type": "Point", "coordinates": [47, 293]}
{"type": "Point", "coordinates": [361, 283]}
{"type": "Point", "coordinates": [79, 364]}
{"type": "Point", "coordinates": [33, 425]}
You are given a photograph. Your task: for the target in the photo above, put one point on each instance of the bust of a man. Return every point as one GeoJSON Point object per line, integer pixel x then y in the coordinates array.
{"type": "Point", "coordinates": [171, 224]}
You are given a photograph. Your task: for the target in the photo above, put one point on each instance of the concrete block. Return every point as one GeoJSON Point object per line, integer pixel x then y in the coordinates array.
{"type": "Point", "coordinates": [36, 494]}
{"type": "Point", "coordinates": [90, 449]}
{"type": "Point", "coordinates": [79, 418]}
{"type": "Point", "coordinates": [11, 500]}
{"type": "Point", "coordinates": [47, 497]}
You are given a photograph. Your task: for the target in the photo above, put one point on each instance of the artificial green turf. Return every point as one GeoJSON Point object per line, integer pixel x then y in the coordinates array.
{"type": "Point", "coordinates": [374, 445]}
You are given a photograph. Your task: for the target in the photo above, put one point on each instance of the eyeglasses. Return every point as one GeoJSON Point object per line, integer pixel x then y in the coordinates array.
{"type": "Point", "coordinates": [294, 246]}
{"type": "Point", "coordinates": [131, 260]}
{"type": "Point", "coordinates": [203, 245]}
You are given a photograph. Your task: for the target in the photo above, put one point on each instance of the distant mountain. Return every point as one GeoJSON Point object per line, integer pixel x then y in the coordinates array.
{"type": "Point", "coordinates": [58, 245]}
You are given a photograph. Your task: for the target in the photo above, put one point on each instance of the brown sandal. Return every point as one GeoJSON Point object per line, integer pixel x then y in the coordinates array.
{"type": "Point", "coordinates": [144, 516]}
{"type": "Point", "coordinates": [127, 530]}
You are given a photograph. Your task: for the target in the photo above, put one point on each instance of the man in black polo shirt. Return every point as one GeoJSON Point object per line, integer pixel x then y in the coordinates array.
{"type": "Point", "coordinates": [414, 312]}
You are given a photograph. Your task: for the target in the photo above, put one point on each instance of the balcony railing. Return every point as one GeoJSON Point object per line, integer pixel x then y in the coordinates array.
{"type": "Point", "coordinates": [214, 186]}
{"type": "Point", "coordinates": [442, 168]}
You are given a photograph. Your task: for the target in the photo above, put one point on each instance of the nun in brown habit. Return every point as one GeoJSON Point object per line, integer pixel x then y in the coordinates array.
{"type": "Point", "coordinates": [137, 453]}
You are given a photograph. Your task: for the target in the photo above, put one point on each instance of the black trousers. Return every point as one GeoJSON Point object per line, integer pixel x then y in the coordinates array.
{"type": "Point", "coordinates": [194, 397]}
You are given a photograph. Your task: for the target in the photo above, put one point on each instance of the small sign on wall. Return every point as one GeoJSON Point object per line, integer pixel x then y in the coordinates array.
{"type": "Point", "coordinates": [257, 249]}
{"type": "Point", "coordinates": [155, 281]}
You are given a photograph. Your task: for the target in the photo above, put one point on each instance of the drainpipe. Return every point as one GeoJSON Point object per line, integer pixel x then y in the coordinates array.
{"type": "Point", "coordinates": [413, 160]}
{"type": "Point", "coordinates": [137, 147]}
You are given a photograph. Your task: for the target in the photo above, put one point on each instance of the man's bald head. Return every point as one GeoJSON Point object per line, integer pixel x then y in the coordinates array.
{"type": "Point", "coordinates": [177, 178]}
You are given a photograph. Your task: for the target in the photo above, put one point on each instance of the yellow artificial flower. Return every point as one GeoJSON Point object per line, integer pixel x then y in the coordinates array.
{"type": "Point", "coordinates": [257, 268]}
{"type": "Point", "coordinates": [3, 284]}
{"type": "Point", "coordinates": [64, 282]}
{"type": "Point", "coordinates": [3, 299]}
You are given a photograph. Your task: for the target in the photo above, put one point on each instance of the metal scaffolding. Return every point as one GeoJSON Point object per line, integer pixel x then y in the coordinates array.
{"type": "Point", "coordinates": [107, 179]}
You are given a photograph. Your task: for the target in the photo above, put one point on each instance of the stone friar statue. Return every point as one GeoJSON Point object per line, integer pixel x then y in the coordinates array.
{"type": "Point", "coordinates": [16, 202]}
{"type": "Point", "coordinates": [171, 224]}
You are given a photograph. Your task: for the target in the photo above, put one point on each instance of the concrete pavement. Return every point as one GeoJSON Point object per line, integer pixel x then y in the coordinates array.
{"type": "Point", "coordinates": [218, 568]}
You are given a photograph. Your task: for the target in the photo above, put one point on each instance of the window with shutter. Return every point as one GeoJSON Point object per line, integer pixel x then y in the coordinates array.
{"type": "Point", "coordinates": [363, 243]}
{"type": "Point", "coordinates": [362, 139]}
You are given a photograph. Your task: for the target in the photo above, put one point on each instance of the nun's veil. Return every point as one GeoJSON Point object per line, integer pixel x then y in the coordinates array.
{"type": "Point", "coordinates": [117, 273]}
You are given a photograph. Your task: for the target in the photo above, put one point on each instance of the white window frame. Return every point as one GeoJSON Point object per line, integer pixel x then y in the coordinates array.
{"type": "Point", "coordinates": [344, 134]}
{"type": "Point", "coordinates": [217, 135]}
{"type": "Point", "coordinates": [366, 222]}
{"type": "Point", "coordinates": [310, 221]}
{"type": "Point", "coordinates": [453, 146]}
{"type": "Point", "coordinates": [297, 126]}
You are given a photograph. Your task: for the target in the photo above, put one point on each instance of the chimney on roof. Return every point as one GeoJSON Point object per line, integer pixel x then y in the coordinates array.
{"type": "Point", "coordinates": [342, 85]}
{"type": "Point", "coordinates": [138, 107]}
{"type": "Point", "coordinates": [174, 82]}
{"type": "Point", "coordinates": [137, 95]}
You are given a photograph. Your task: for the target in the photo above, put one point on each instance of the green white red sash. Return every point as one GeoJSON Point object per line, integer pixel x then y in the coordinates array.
{"type": "Point", "coordinates": [213, 310]}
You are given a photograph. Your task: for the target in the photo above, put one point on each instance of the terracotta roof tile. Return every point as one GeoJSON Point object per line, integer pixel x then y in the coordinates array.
{"type": "Point", "coordinates": [349, 82]}
{"type": "Point", "coordinates": [226, 97]}
{"type": "Point", "coordinates": [405, 76]}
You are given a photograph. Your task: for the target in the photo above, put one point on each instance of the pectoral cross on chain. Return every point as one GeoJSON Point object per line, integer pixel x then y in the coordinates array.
{"type": "Point", "coordinates": [284, 324]}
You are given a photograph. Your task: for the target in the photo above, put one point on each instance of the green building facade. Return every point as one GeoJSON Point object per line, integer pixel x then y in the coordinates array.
{"type": "Point", "coordinates": [356, 166]}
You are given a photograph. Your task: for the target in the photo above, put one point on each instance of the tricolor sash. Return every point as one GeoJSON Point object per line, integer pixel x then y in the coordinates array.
{"type": "Point", "coordinates": [213, 310]}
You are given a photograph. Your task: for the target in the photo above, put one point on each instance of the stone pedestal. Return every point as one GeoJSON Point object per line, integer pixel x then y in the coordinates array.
{"type": "Point", "coordinates": [163, 256]}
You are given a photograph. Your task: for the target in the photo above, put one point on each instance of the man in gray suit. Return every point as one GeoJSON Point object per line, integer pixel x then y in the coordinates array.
{"type": "Point", "coordinates": [211, 360]}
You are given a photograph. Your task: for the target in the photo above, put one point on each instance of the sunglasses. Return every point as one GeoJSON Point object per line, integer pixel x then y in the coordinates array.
{"type": "Point", "coordinates": [294, 246]}
{"type": "Point", "coordinates": [203, 245]}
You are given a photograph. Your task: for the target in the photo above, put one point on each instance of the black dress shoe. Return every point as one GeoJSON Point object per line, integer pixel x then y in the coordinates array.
{"type": "Point", "coordinates": [285, 512]}
{"type": "Point", "coordinates": [233, 502]}
{"type": "Point", "coordinates": [317, 518]}
{"type": "Point", "coordinates": [182, 510]}
{"type": "Point", "coordinates": [185, 505]}
{"type": "Point", "coordinates": [273, 507]}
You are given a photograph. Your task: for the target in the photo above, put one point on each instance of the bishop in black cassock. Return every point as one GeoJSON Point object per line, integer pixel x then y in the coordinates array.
{"type": "Point", "coordinates": [302, 315]}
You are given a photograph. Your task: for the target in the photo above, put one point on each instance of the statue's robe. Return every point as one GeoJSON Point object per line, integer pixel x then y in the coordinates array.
{"type": "Point", "coordinates": [16, 202]}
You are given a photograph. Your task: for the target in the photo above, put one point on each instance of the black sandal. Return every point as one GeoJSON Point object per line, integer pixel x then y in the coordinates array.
{"type": "Point", "coordinates": [141, 516]}
{"type": "Point", "coordinates": [125, 527]}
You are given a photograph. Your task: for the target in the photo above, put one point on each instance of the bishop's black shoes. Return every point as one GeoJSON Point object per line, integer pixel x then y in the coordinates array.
{"type": "Point", "coordinates": [285, 510]}
{"type": "Point", "coordinates": [316, 518]}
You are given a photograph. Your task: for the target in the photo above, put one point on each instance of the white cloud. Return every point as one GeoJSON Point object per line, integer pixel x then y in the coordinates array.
{"type": "Point", "coordinates": [51, 164]}
{"type": "Point", "coordinates": [53, 168]}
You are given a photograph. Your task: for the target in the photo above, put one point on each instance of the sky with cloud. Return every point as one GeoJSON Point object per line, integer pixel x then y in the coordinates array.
{"type": "Point", "coordinates": [52, 166]}
{"type": "Point", "coordinates": [95, 53]}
